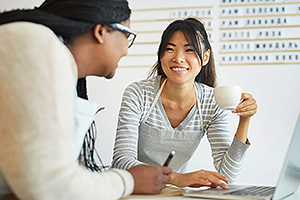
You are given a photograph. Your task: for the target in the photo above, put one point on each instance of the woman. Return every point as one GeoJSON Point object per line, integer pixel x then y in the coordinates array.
{"type": "Point", "coordinates": [174, 110]}
{"type": "Point", "coordinates": [43, 52]}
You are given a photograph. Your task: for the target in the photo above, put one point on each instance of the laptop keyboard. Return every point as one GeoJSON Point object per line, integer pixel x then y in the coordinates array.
{"type": "Point", "coordinates": [253, 191]}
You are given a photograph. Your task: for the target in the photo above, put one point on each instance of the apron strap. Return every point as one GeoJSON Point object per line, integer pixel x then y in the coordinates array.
{"type": "Point", "coordinates": [158, 95]}
{"type": "Point", "coordinates": [199, 107]}
{"type": "Point", "coordinates": [155, 100]}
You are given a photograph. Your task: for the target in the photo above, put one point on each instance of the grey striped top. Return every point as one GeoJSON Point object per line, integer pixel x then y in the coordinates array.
{"type": "Point", "coordinates": [149, 142]}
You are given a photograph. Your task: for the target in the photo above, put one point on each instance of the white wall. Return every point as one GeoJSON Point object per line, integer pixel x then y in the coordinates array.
{"type": "Point", "coordinates": [13, 4]}
{"type": "Point", "coordinates": [276, 88]}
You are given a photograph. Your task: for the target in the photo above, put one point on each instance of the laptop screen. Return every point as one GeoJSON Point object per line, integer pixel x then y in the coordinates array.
{"type": "Point", "coordinates": [289, 178]}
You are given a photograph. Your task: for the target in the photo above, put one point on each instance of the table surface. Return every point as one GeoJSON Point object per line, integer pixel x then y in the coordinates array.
{"type": "Point", "coordinates": [164, 196]}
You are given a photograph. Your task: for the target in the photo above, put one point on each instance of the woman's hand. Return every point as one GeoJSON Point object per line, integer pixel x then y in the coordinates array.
{"type": "Point", "coordinates": [247, 108]}
{"type": "Point", "coordinates": [198, 179]}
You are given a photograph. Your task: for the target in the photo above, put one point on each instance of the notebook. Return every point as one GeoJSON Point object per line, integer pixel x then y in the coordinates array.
{"type": "Point", "coordinates": [287, 183]}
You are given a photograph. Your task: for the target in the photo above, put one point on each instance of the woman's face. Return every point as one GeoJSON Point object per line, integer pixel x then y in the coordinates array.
{"type": "Point", "coordinates": [180, 62]}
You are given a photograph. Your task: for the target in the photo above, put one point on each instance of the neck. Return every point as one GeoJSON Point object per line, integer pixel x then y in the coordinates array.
{"type": "Point", "coordinates": [79, 61]}
{"type": "Point", "coordinates": [80, 50]}
{"type": "Point", "coordinates": [178, 92]}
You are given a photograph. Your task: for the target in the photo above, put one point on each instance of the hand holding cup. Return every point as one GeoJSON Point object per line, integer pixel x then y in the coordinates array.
{"type": "Point", "coordinates": [231, 98]}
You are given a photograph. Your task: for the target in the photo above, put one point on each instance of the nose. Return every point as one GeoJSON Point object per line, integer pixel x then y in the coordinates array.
{"type": "Point", "coordinates": [179, 57]}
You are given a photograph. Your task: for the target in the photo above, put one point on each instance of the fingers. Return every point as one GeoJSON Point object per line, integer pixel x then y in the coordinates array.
{"type": "Point", "coordinates": [162, 177]}
{"type": "Point", "coordinates": [201, 178]}
{"type": "Point", "coordinates": [220, 176]}
{"type": "Point", "coordinates": [247, 107]}
{"type": "Point", "coordinates": [223, 185]}
{"type": "Point", "coordinates": [149, 179]}
{"type": "Point", "coordinates": [215, 179]}
{"type": "Point", "coordinates": [165, 179]}
{"type": "Point", "coordinates": [166, 170]}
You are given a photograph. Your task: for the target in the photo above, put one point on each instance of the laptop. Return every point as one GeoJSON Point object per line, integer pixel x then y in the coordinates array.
{"type": "Point", "coordinates": [287, 183]}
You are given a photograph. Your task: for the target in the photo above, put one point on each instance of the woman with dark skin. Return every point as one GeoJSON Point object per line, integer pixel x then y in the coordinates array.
{"type": "Point", "coordinates": [43, 52]}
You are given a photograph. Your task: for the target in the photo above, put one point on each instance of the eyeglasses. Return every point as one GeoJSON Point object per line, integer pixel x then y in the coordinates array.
{"type": "Point", "coordinates": [130, 34]}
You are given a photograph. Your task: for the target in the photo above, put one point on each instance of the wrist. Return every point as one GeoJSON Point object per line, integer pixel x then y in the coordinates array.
{"type": "Point", "coordinates": [245, 119]}
{"type": "Point", "coordinates": [173, 178]}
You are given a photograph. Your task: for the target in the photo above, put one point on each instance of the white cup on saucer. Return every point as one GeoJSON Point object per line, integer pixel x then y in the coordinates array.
{"type": "Point", "coordinates": [228, 97]}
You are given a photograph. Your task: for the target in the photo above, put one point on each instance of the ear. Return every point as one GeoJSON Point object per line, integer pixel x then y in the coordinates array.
{"type": "Point", "coordinates": [98, 32]}
{"type": "Point", "coordinates": [206, 57]}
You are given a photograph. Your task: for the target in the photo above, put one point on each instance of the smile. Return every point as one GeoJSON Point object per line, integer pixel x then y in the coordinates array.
{"type": "Point", "coordinates": [179, 69]}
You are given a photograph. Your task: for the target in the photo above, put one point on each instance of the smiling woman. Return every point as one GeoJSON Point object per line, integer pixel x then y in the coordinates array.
{"type": "Point", "coordinates": [180, 58]}
{"type": "Point", "coordinates": [197, 41]}
{"type": "Point", "coordinates": [175, 107]}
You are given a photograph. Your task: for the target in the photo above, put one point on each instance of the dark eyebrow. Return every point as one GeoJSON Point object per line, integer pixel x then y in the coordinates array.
{"type": "Point", "coordinates": [190, 45]}
{"type": "Point", "coordinates": [171, 44]}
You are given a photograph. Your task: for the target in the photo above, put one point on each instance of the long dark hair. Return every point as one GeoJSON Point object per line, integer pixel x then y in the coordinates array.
{"type": "Point", "coordinates": [194, 32]}
{"type": "Point", "coordinates": [88, 151]}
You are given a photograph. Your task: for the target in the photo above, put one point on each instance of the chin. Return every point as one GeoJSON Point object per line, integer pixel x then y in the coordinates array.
{"type": "Point", "coordinates": [110, 75]}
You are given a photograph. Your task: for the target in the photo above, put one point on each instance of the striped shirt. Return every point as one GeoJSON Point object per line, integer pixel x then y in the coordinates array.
{"type": "Point", "coordinates": [134, 147]}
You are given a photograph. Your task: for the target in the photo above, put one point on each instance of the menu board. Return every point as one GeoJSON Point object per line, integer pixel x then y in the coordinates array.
{"type": "Point", "coordinates": [256, 31]}
{"type": "Point", "coordinates": [242, 32]}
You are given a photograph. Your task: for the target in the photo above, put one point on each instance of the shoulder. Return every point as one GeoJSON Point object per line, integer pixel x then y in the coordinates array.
{"type": "Point", "coordinates": [27, 33]}
{"type": "Point", "coordinates": [143, 86]}
{"type": "Point", "coordinates": [27, 27]}
{"type": "Point", "coordinates": [206, 94]}
{"type": "Point", "coordinates": [208, 99]}
{"type": "Point", "coordinates": [205, 90]}
{"type": "Point", "coordinates": [206, 87]}
{"type": "Point", "coordinates": [36, 47]}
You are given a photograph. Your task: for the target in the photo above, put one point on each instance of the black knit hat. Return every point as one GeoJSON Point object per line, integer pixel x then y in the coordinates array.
{"type": "Point", "coordinates": [72, 17]}
{"type": "Point", "coordinates": [97, 11]}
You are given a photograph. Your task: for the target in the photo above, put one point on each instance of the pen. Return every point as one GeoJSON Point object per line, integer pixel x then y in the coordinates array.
{"type": "Point", "coordinates": [169, 158]}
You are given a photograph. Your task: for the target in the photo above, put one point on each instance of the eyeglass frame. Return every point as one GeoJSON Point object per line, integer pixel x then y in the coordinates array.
{"type": "Point", "coordinates": [124, 29]}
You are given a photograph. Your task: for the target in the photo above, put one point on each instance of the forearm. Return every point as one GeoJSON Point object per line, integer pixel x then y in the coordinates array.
{"type": "Point", "coordinates": [126, 141]}
{"type": "Point", "coordinates": [231, 164]}
{"type": "Point", "coordinates": [125, 148]}
{"type": "Point", "coordinates": [246, 109]}
{"type": "Point", "coordinates": [123, 162]}
{"type": "Point", "coordinates": [242, 130]}
{"type": "Point", "coordinates": [228, 154]}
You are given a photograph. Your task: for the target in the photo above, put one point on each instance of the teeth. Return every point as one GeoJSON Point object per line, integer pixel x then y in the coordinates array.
{"type": "Point", "coordinates": [179, 69]}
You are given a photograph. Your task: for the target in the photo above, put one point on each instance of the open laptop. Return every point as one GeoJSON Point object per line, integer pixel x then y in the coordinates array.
{"type": "Point", "coordinates": [287, 184]}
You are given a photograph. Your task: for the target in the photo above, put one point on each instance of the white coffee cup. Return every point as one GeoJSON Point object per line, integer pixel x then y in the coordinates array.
{"type": "Point", "coordinates": [228, 97]}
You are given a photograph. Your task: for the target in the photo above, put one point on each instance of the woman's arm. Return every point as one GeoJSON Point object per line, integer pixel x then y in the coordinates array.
{"type": "Point", "coordinates": [246, 109]}
{"type": "Point", "coordinates": [126, 142]}
{"type": "Point", "coordinates": [229, 156]}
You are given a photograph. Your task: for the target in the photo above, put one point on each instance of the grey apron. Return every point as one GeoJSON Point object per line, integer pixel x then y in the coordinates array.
{"type": "Point", "coordinates": [154, 145]}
